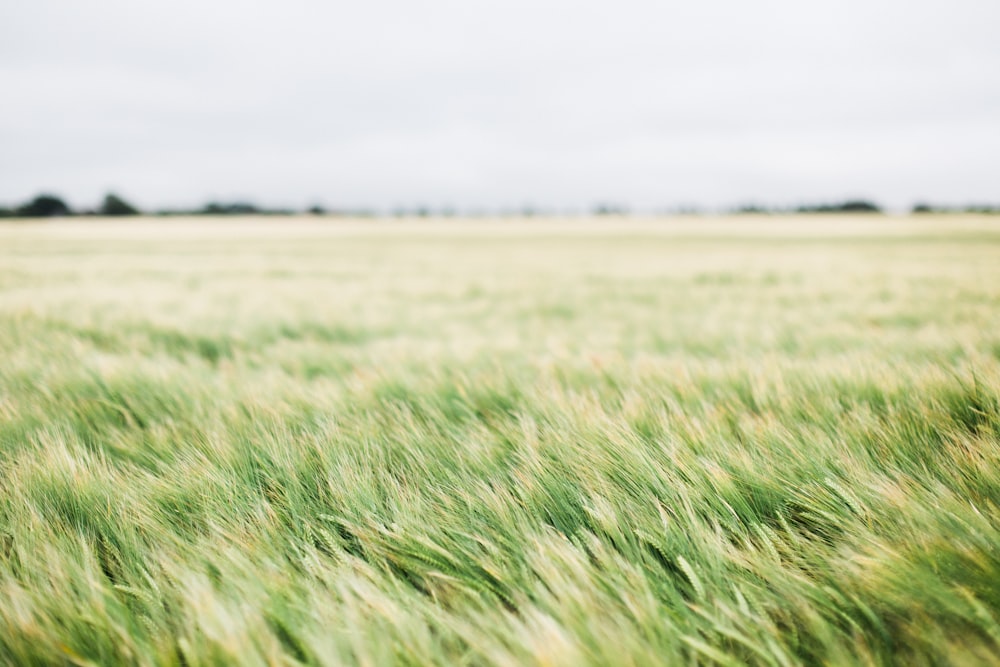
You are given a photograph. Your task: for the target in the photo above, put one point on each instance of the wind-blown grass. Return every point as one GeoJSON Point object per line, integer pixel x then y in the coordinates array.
{"type": "Point", "coordinates": [562, 444]}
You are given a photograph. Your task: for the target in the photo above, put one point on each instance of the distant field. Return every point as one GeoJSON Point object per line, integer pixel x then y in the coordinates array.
{"type": "Point", "coordinates": [637, 442]}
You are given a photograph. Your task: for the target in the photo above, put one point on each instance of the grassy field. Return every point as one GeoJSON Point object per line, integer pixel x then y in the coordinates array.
{"type": "Point", "coordinates": [625, 442]}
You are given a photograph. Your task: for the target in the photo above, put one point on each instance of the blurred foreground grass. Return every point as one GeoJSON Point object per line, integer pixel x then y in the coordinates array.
{"type": "Point", "coordinates": [771, 442]}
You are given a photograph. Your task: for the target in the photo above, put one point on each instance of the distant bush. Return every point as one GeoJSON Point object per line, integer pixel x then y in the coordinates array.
{"type": "Point", "coordinates": [859, 206]}
{"type": "Point", "coordinates": [236, 208]}
{"type": "Point", "coordinates": [44, 206]}
{"type": "Point", "coordinates": [970, 208]}
{"type": "Point", "coordinates": [850, 206]}
{"type": "Point", "coordinates": [982, 208]}
{"type": "Point", "coordinates": [115, 205]}
{"type": "Point", "coordinates": [6, 213]}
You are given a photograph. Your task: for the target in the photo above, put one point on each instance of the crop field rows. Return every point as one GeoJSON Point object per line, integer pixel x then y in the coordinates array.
{"type": "Point", "coordinates": [769, 441]}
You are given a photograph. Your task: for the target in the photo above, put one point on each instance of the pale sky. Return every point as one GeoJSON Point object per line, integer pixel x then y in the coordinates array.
{"type": "Point", "coordinates": [472, 104]}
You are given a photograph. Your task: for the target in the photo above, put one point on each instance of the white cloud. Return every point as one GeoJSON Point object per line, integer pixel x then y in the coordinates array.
{"type": "Point", "coordinates": [487, 104]}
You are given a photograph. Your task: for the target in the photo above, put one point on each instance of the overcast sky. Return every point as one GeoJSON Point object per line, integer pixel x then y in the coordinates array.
{"type": "Point", "coordinates": [388, 103]}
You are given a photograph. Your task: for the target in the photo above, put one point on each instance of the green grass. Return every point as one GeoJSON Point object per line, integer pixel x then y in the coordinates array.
{"type": "Point", "coordinates": [770, 442]}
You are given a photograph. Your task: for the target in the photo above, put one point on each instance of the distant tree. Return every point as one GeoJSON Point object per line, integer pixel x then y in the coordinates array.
{"type": "Point", "coordinates": [213, 208]}
{"type": "Point", "coordinates": [238, 208]}
{"type": "Point", "coordinates": [44, 206]}
{"type": "Point", "coordinates": [849, 206]}
{"type": "Point", "coordinates": [115, 205]}
{"type": "Point", "coordinates": [859, 206]}
{"type": "Point", "coordinates": [6, 212]}
{"type": "Point", "coordinates": [922, 208]}
{"type": "Point", "coordinates": [316, 209]}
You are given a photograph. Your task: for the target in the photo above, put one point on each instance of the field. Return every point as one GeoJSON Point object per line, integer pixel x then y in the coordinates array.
{"type": "Point", "coordinates": [616, 442]}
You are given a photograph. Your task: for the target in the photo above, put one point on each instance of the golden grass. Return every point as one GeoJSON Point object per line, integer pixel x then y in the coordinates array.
{"type": "Point", "coordinates": [624, 441]}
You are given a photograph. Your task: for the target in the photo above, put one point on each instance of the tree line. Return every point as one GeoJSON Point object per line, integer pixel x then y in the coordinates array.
{"type": "Point", "coordinates": [49, 206]}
